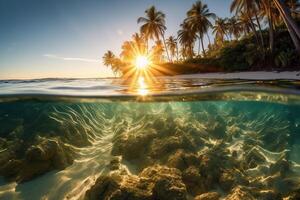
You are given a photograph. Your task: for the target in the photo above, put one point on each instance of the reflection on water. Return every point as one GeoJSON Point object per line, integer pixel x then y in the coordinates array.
{"type": "Point", "coordinates": [121, 87]}
{"type": "Point", "coordinates": [142, 87]}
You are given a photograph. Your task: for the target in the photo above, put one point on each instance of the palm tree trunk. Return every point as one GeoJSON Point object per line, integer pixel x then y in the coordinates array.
{"type": "Point", "coordinates": [288, 25]}
{"type": "Point", "coordinates": [294, 37]}
{"type": "Point", "coordinates": [163, 36]}
{"type": "Point", "coordinates": [253, 27]}
{"type": "Point", "coordinates": [199, 45]}
{"type": "Point", "coordinates": [191, 51]}
{"type": "Point", "coordinates": [147, 46]}
{"type": "Point", "coordinates": [267, 7]}
{"type": "Point", "coordinates": [227, 36]}
{"type": "Point", "coordinates": [204, 54]}
{"type": "Point", "coordinates": [287, 15]}
{"type": "Point", "coordinates": [260, 30]}
{"type": "Point", "coordinates": [209, 42]}
{"type": "Point", "coordinates": [177, 56]}
{"type": "Point", "coordinates": [292, 34]}
{"type": "Point", "coordinates": [271, 32]}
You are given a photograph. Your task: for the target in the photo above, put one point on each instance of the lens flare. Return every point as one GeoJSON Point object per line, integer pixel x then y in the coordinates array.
{"type": "Point", "coordinates": [142, 62]}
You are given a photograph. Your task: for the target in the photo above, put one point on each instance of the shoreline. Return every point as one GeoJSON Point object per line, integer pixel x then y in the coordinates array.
{"type": "Point", "coordinates": [250, 75]}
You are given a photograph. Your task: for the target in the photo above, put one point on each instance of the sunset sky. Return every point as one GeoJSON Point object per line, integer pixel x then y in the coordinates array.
{"type": "Point", "coordinates": [67, 38]}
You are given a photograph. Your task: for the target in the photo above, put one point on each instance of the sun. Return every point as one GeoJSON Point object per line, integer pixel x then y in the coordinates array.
{"type": "Point", "coordinates": [142, 62]}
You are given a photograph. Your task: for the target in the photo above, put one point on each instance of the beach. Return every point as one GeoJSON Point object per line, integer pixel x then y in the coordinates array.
{"type": "Point", "coordinates": [256, 75]}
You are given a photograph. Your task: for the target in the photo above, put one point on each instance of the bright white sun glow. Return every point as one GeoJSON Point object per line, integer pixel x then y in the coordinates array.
{"type": "Point", "coordinates": [141, 62]}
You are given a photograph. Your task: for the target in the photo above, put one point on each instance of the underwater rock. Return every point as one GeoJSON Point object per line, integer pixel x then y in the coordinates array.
{"type": "Point", "coordinates": [294, 195]}
{"type": "Point", "coordinates": [217, 128]}
{"type": "Point", "coordinates": [103, 188]}
{"type": "Point", "coordinates": [253, 158]}
{"type": "Point", "coordinates": [266, 194]}
{"type": "Point", "coordinates": [239, 193]}
{"type": "Point", "coordinates": [51, 150]}
{"type": "Point", "coordinates": [11, 168]}
{"type": "Point", "coordinates": [47, 155]}
{"type": "Point", "coordinates": [155, 182]}
{"type": "Point", "coordinates": [282, 166]}
{"type": "Point", "coordinates": [193, 180]}
{"type": "Point", "coordinates": [275, 142]}
{"type": "Point", "coordinates": [208, 196]}
{"type": "Point", "coordinates": [165, 146]}
{"type": "Point", "coordinates": [182, 160]}
{"type": "Point", "coordinates": [150, 147]}
{"type": "Point", "coordinates": [167, 182]}
{"type": "Point", "coordinates": [10, 127]}
{"type": "Point", "coordinates": [133, 147]}
{"type": "Point", "coordinates": [231, 177]}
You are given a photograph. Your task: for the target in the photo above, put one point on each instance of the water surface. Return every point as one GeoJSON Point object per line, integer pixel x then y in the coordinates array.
{"type": "Point", "coordinates": [235, 138]}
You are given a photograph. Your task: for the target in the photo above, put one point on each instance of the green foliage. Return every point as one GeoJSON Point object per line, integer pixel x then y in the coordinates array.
{"type": "Point", "coordinates": [284, 59]}
{"type": "Point", "coordinates": [284, 52]}
{"type": "Point", "coordinates": [245, 54]}
{"type": "Point", "coordinates": [231, 57]}
{"type": "Point", "coordinates": [202, 61]}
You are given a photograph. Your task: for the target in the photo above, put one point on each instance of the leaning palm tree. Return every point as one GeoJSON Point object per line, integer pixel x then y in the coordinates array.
{"type": "Point", "coordinates": [139, 43]}
{"type": "Point", "coordinates": [244, 22]}
{"type": "Point", "coordinates": [234, 27]}
{"type": "Point", "coordinates": [199, 19]}
{"type": "Point", "coordinates": [157, 51]}
{"type": "Point", "coordinates": [294, 6]}
{"type": "Point", "coordinates": [220, 30]}
{"type": "Point", "coordinates": [249, 8]}
{"type": "Point", "coordinates": [129, 51]}
{"type": "Point", "coordinates": [172, 45]}
{"type": "Point", "coordinates": [187, 37]}
{"type": "Point", "coordinates": [292, 26]}
{"type": "Point", "coordinates": [153, 25]}
{"type": "Point", "coordinates": [268, 11]}
{"type": "Point", "coordinates": [109, 60]}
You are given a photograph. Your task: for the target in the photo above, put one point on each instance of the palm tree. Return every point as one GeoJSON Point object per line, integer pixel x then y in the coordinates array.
{"type": "Point", "coordinates": [199, 18]}
{"type": "Point", "coordinates": [219, 29]}
{"type": "Point", "coordinates": [129, 51]}
{"type": "Point", "coordinates": [248, 7]}
{"type": "Point", "coordinates": [172, 45]}
{"type": "Point", "coordinates": [294, 6]}
{"type": "Point", "coordinates": [109, 60]}
{"type": "Point", "coordinates": [289, 21]}
{"type": "Point", "coordinates": [269, 12]}
{"type": "Point", "coordinates": [187, 37]}
{"type": "Point", "coordinates": [234, 27]}
{"type": "Point", "coordinates": [157, 51]}
{"type": "Point", "coordinates": [153, 25]}
{"type": "Point", "coordinates": [244, 22]}
{"type": "Point", "coordinates": [138, 40]}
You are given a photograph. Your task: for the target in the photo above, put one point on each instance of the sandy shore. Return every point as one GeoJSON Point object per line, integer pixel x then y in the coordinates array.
{"type": "Point", "coordinates": [258, 75]}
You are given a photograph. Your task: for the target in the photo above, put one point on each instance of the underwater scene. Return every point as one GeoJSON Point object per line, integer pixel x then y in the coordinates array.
{"type": "Point", "coordinates": [239, 145]}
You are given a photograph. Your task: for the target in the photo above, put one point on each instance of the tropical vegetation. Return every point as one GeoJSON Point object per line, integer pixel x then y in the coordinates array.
{"type": "Point", "coordinates": [260, 35]}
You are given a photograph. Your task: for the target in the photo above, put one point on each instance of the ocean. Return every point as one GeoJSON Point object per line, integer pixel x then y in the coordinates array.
{"type": "Point", "coordinates": [174, 138]}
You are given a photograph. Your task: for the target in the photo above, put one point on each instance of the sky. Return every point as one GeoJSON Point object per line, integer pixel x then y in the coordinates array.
{"type": "Point", "coordinates": [67, 38]}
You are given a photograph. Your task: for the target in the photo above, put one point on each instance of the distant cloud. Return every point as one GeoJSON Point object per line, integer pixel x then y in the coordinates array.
{"type": "Point", "coordinates": [52, 56]}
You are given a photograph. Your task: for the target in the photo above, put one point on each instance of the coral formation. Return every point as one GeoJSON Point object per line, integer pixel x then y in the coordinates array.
{"type": "Point", "coordinates": [219, 158]}
{"type": "Point", "coordinates": [159, 151]}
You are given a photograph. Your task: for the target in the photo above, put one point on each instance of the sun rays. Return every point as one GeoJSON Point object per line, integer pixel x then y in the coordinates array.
{"type": "Point", "coordinates": [142, 62]}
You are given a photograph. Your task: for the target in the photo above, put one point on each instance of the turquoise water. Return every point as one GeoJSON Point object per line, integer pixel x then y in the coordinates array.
{"type": "Point", "coordinates": [100, 139]}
